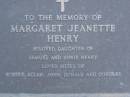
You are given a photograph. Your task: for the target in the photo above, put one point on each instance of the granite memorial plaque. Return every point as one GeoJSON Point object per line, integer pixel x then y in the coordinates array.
{"type": "Point", "coordinates": [64, 48]}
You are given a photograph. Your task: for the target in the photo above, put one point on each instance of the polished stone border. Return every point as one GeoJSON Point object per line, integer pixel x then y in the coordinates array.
{"type": "Point", "coordinates": [67, 95]}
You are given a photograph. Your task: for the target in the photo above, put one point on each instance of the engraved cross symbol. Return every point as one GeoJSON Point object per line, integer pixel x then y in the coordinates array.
{"type": "Point", "coordinates": [62, 4]}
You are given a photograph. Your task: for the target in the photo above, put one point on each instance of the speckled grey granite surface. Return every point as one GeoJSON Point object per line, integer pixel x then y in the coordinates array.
{"type": "Point", "coordinates": [64, 95]}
